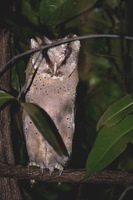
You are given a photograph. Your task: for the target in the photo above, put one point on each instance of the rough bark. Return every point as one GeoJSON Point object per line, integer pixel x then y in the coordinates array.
{"type": "Point", "coordinates": [68, 175]}
{"type": "Point", "coordinates": [8, 187]}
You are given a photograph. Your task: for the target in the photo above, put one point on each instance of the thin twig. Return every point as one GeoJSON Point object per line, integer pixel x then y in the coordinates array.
{"type": "Point", "coordinates": [26, 86]}
{"type": "Point", "coordinates": [92, 36]}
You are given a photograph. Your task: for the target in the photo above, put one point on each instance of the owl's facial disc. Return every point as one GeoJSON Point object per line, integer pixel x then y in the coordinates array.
{"type": "Point", "coordinates": [57, 56]}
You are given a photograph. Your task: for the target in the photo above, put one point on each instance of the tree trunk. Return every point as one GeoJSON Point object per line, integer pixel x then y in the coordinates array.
{"type": "Point", "coordinates": [8, 187]}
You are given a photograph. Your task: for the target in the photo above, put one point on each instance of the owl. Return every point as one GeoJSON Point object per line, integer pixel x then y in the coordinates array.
{"type": "Point", "coordinates": [54, 89]}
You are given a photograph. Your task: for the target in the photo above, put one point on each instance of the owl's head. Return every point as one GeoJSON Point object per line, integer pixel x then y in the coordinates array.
{"type": "Point", "coordinates": [56, 62]}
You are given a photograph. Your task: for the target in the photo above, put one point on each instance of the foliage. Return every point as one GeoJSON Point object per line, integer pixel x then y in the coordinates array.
{"type": "Point", "coordinates": [106, 81]}
{"type": "Point", "coordinates": [110, 142]}
{"type": "Point", "coordinates": [4, 97]}
{"type": "Point", "coordinates": [41, 120]}
{"type": "Point", "coordinates": [116, 112]}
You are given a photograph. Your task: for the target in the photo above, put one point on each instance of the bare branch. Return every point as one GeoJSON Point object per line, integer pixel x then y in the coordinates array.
{"type": "Point", "coordinates": [68, 175]}
{"type": "Point", "coordinates": [29, 52]}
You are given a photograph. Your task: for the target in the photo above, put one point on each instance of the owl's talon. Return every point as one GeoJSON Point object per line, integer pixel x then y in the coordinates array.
{"type": "Point", "coordinates": [60, 172]}
{"type": "Point", "coordinates": [32, 164]}
{"type": "Point", "coordinates": [35, 164]}
{"type": "Point", "coordinates": [59, 167]}
{"type": "Point", "coordinates": [42, 167]}
{"type": "Point", "coordinates": [51, 169]}
{"type": "Point", "coordinates": [55, 166]}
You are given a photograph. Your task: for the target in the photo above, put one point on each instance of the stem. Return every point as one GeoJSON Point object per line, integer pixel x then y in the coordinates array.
{"type": "Point", "coordinates": [29, 52]}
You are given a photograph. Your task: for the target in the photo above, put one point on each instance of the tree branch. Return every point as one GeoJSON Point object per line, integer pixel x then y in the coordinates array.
{"type": "Point", "coordinates": [68, 175]}
{"type": "Point", "coordinates": [90, 36]}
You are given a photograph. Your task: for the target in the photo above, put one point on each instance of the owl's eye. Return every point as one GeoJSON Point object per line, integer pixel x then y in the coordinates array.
{"type": "Point", "coordinates": [45, 55]}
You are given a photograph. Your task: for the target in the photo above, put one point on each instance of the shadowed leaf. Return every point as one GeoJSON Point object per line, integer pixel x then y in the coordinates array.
{"type": "Point", "coordinates": [54, 12]}
{"type": "Point", "coordinates": [116, 112]}
{"type": "Point", "coordinates": [109, 144]}
{"type": "Point", "coordinates": [46, 127]}
{"type": "Point", "coordinates": [5, 97]}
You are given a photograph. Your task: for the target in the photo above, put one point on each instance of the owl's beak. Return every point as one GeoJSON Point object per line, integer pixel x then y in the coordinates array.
{"type": "Point", "coordinates": [55, 68]}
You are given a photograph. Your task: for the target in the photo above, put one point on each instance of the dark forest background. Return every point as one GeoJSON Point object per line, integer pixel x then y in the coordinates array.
{"type": "Point", "coordinates": [105, 71]}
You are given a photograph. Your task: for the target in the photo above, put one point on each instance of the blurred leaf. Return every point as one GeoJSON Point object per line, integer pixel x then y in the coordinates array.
{"type": "Point", "coordinates": [111, 4]}
{"type": "Point", "coordinates": [109, 144]}
{"type": "Point", "coordinates": [53, 12]}
{"type": "Point", "coordinates": [96, 20]}
{"type": "Point", "coordinates": [5, 97]}
{"type": "Point", "coordinates": [44, 124]}
{"type": "Point", "coordinates": [126, 161]}
{"type": "Point", "coordinates": [99, 61]}
{"type": "Point", "coordinates": [116, 112]}
{"type": "Point", "coordinates": [29, 12]}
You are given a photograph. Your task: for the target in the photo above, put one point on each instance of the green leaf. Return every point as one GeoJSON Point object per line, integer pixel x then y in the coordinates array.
{"type": "Point", "coordinates": [28, 11]}
{"type": "Point", "coordinates": [46, 127]}
{"type": "Point", "coordinates": [109, 144]}
{"type": "Point", "coordinates": [53, 12]}
{"type": "Point", "coordinates": [116, 112]}
{"type": "Point", "coordinates": [112, 4]}
{"type": "Point", "coordinates": [5, 97]}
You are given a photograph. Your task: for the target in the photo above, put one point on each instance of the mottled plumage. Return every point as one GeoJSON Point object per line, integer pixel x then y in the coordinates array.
{"type": "Point", "coordinates": [54, 89]}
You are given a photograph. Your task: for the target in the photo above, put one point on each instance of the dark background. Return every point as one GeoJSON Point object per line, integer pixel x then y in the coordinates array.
{"type": "Point", "coordinates": [105, 71]}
